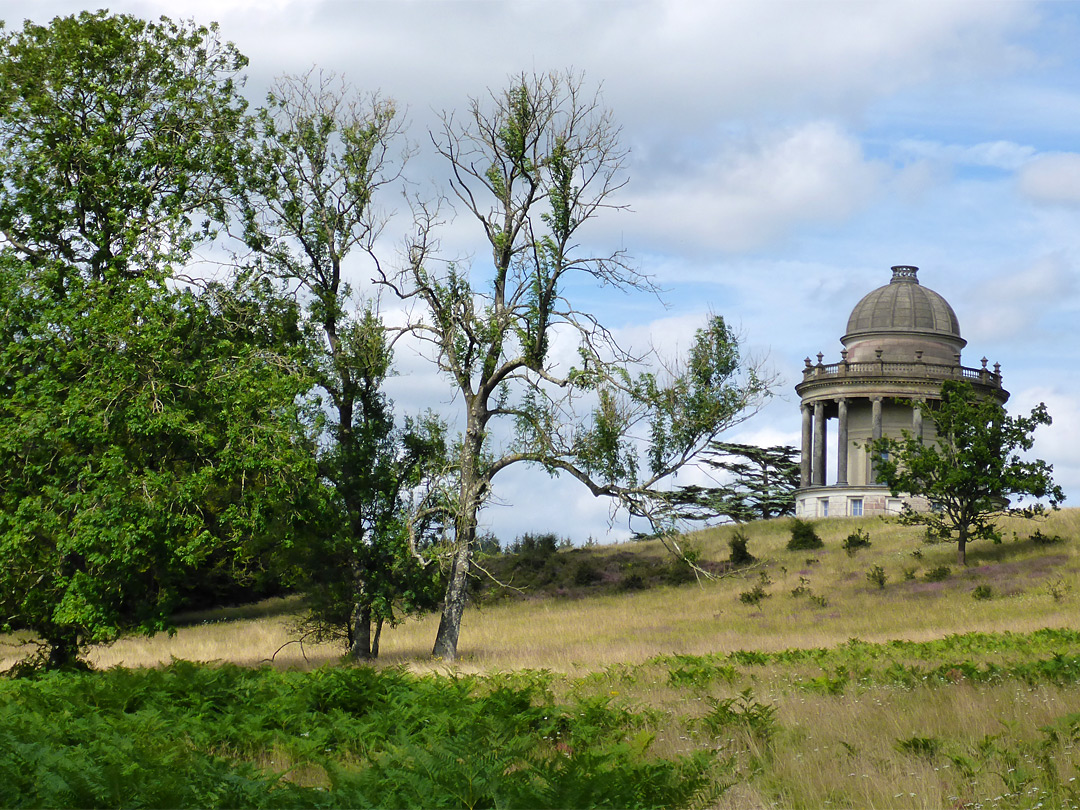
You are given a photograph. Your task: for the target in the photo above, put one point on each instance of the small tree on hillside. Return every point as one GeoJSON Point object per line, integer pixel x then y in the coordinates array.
{"type": "Point", "coordinates": [973, 467]}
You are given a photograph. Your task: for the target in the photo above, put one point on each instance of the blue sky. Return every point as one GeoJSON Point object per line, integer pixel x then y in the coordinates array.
{"type": "Point", "coordinates": [783, 156]}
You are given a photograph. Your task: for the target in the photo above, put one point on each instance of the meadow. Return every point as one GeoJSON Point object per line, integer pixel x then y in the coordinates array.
{"type": "Point", "coordinates": [823, 678]}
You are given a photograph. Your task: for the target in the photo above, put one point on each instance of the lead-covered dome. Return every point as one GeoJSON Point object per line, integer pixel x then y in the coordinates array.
{"type": "Point", "coordinates": [903, 305]}
{"type": "Point", "coordinates": [903, 322]}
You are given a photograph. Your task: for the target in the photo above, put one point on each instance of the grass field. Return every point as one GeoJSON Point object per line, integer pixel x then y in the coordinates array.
{"type": "Point", "coordinates": [961, 689]}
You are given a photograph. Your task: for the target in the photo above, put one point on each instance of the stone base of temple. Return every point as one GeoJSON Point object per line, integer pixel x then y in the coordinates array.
{"type": "Point", "coordinates": [845, 501]}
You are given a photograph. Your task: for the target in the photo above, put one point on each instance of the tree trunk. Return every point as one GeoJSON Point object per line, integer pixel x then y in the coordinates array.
{"type": "Point", "coordinates": [446, 640]}
{"type": "Point", "coordinates": [360, 633]}
{"type": "Point", "coordinates": [471, 496]}
{"type": "Point", "coordinates": [375, 639]}
{"type": "Point", "coordinates": [961, 548]}
{"type": "Point", "coordinates": [64, 652]}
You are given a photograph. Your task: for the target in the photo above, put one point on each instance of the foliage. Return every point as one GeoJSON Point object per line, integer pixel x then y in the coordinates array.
{"type": "Point", "coordinates": [148, 428]}
{"type": "Point", "coordinates": [533, 165]}
{"type": "Point", "coordinates": [803, 536]}
{"type": "Point", "coordinates": [118, 142]}
{"type": "Point", "coordinates": [876, 576]}
{"type": "Point", "coordinates": [938, 573]}
{"type": "Point", "coordinates": [740, 554]}
{"type": "Point", "coordinates": [757, 594]}
{"type": "Point", "coordinates": [369, 739]}
{"type": "Point", "coordinates": [1040, 539]}
{"type": "Point", "coordinates": [858, 539]}
{"type": "Point", "coordinates": [982, 593]}
{"type": "Point", "coordinates": [969, 472]}
{"type": "Point", "coordinates": [763, 482]}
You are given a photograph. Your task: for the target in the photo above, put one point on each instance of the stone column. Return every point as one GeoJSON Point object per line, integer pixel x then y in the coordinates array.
{"type": "Point", "coordinates": [807, 446]}
{"type": "Point", "coordinates": [841, 443]}
{"type": "Point", "coordinates": [819, 444]}
{"type": "Point", "coordinates": [916, 418]}
{"type": "Point", "coordinates": [875, 427]}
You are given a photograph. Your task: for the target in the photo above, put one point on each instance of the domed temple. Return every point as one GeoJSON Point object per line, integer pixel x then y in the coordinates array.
{"type": "Point", "coordinates": [903, 340]}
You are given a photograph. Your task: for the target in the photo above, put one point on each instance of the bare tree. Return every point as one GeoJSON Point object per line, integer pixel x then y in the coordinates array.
{"type": "Point", "coordinates": [533, 164]}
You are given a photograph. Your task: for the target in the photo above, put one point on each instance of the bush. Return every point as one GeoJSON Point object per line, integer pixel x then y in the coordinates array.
{"type": "Point", "coordinates": [754, 595]}
{"type": "Point", "coordinates": [855, 541]}
{"type": "Point", "coordinates": [535, 549]}
{"type": "Point", "coordinates": [1041, 539]}
{"type": "Point", "coordinates": [758, 592]}
{"type": "Point", "coordinates": [938, 574]}
{"type": "Point", "coordinates": [982, 592]}
{"type": "Point", "coordinates": [876, 576]}
{"type": "Point", "coordinates": [740, 555]}
{"type": "Point", "coordinates": [803, 536]}
{"type": "Point", "coordinates": [678, 572]}
{"type": "Point", "coordinates": [586, 573]}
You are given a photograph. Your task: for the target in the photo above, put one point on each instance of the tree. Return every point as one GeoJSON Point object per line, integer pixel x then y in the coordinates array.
{"type": "Point", "coordinates": [145, 425]}
{"type": "Point", "coordinates": [532, 166]}
{"type": "Point", "coordinates": [323, 155]}
{"type": "Point", "coordinates": [972, 468]}
{"type": "Point", "coordinates": [763, 483]}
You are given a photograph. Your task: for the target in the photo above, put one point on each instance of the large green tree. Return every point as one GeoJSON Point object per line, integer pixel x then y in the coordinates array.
{"type": "Point", "coordinates": [145, 425]}
{"type": "Point", "coordinates": [324, 153]}
{"type": "Point", "coordinates": [532, 166]}
{"type": "Point", "coordinates": [972, 469]}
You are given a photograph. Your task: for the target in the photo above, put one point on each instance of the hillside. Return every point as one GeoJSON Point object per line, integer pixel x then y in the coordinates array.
{"type": "Point", "coordinates": [628, 613]}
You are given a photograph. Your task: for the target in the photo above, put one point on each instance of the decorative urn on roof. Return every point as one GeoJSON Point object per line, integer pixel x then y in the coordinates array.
{"type": "Point", "coordinates": [903, 340]}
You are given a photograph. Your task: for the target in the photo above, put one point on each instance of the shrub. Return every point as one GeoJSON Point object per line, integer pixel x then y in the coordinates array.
{"type": "Point", "coordinates": [803, 536]}
{"type": "Point", "coordinates": [819, 600]}
{"type": "Point", "coordinates": [802, 589]}
{"type": "Point", "coordinates": [876, 576]}
{"type": "Point", "coordinates": [938, 574]}
{"type": "Point", "coordinates": [909, 573]}
{"type": "Point", "coordinates": [678, 572]}
{"type": "Point", "coordinates": [754, 595]}
{"type": "Point", "coordinates": [855, 541]}
{"type": "Point", "coordinates": [758, 592]}
{"type": "Point", "coordinates": [535, 549]}
{"type": "Point", "coordinates": [1041, 539]}
{"type": "Point", "coordinates": [586, 573]}
{"type": "Point", "coordinates": [982, 592]}
{"type": "Point", "coordinates": [739, 553]}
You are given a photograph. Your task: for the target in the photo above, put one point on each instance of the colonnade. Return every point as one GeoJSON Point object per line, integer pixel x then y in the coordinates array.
{"type": "Point", "coordinates": [815, 437]}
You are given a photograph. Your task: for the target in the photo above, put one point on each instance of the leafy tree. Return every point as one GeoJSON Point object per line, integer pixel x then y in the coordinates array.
{"type": "Point", "coordinates": [969, 472]}
{"type": "Point", "coordinates": [532, 166]}
{"type": "Point", "coordinates": [324, 153]}
{"type": "Point", "coordinates": [145, 425]}
{"type": "Point", "coordinates": [763, 484]}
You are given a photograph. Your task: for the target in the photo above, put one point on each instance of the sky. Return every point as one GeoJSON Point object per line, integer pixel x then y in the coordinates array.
{"type": "Point", "coordinates": [783, 156]}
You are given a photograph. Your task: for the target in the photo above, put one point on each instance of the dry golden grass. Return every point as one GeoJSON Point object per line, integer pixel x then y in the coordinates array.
{"type": "Point", "coordinates": [1033, 586]}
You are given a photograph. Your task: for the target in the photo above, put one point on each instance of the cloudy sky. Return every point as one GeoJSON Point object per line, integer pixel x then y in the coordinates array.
{"type": "Point", "coordinates": [783, 156]}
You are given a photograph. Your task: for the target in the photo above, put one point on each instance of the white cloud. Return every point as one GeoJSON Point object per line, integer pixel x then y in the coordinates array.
{"type": "Point", "coordinates": [1011, 305]}
{"type": "Point", "coordinates": [1004, 155]}
{"type": "Point", "coordinates": [761, 188]}
{"type": "Point", "coordinates": [1052, 178]}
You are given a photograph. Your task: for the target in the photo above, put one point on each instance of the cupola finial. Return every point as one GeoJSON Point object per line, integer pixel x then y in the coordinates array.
{"type": "Point", "coordinates": [905, 272]}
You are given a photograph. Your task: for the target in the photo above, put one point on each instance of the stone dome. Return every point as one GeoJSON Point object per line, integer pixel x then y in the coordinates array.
{"type": "Point", "coordinates": [903, 322]}
{"type": "Point", "coordinates": [903, 305]}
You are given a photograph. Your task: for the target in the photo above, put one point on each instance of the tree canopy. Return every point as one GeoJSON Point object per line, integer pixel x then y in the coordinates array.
{"type": "Point", "coordinates": [972, 469]}
{"type": "Point", "coordinates": [144, 424]}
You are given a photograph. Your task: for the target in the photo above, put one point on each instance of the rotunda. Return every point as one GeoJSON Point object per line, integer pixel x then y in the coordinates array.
{"type": "Point", "coordinates": [902, 342]}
